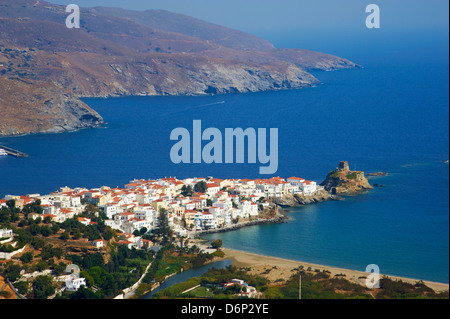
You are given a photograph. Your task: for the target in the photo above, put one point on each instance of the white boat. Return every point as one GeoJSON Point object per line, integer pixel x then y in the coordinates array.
{"type": "Point", "coordinates": [3, 152]}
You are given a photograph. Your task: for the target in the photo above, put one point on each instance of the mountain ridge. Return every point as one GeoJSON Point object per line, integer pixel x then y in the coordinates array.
{"type": "Point", "coordinates": [119, 52]}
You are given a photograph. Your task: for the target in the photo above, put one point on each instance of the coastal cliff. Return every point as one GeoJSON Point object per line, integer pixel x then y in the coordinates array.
{"type": "Point", "coordinates": [129, 53]}
{"type": "Point", "coordinates": [343, 181]}
{"type": "Point", "coordinates": [44, 108]}
{"type": "Point", "coordinates": [300, 200]}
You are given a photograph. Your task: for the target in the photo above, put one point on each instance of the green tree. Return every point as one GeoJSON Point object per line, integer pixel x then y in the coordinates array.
{"type": "Point", "coordinates": [163, 226]}
{"type": "Point", "coordinates": [84, 293]}
{"type": "Point", "coordinates": [34, 207]}
{"type": "Point", "coordinates": [46, 231]}
{"type": "Point", "coordinates": [11, 204]}
{"type": "Point", "coordinates": [90, 281]}
{"type": "Point", "coordinates": [65, 236]}
{"type": "Point", "coordinates": [34, 229]}
{"type": "Point", "coordinates": [43, 287]}
{"type": "Point", "coordinates": [93, 260]}
{"type": "Point", "coordinates": [27, 257]}
{"type": "Point", "coordinates": [47, 220]}
{"type": "Point", "coordinates": [201, 187]}
{"type": "Point", "coordinates": [98, 275]}
{"type": "Point", "coordinates": [55, 228]}
{"type": "Point", "coordinates": [5, 217]}
{"type": "Point", "coordinates": [108, 234]}
{"type": "Point", "coordinates": [15, 217]}
{"type": "Point", "coordinates": [136, 233]}
{"type": "Point", "coordinates": [59, 269]}
{"type": "Point", "coordinates": [76, 234]}
{"type": "Point", "coordinates": [12, 272]}
{"type": "Point", "coordinates": [41, 265]}
{"type": "Point", "coordinates": [22, 287]}
{"type": "Point", "coordinates": [186, 190]}
{"type": "Point", "coordinates": [47, 252]}
{"type": "Point", "coordinates": [216, 244]}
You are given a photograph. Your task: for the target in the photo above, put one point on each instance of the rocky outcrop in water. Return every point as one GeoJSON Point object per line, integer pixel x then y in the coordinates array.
{"type": "Point", "coordinates": [343, 181]}
{"type": "Point", "coordinates": [377, 174]}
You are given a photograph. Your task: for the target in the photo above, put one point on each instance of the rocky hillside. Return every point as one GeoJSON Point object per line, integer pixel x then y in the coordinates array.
{"type": "Point", "coordinates": [120, 52]}
{"type": "Point", "coordinates": [343, 181]}
{"type": "Point", "coordinates": [28, 106]}
{"type": "Point", "coordinates": [300, 200]}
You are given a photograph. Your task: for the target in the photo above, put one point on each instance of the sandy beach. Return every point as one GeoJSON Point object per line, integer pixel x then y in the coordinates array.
{"type": "Point", "coordinates": [284, 269]}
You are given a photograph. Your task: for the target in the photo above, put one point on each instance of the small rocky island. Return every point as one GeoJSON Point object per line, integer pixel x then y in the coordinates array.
{"type": "Point", "coordinates": [343, 181]}
{"type": "Point", "coordinates": [377, 174]}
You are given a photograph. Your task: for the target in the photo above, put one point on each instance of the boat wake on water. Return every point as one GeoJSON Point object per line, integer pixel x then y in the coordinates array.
{"type": "Point", "coordinates": [193, 107]}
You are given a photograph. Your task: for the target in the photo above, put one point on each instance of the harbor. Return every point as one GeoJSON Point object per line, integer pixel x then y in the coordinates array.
{"type": "Point", "coordinates": [9, 151]}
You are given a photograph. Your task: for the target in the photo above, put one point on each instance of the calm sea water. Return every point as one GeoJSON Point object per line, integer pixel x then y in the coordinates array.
{"type": "Point", "coordinates": [390, 116]}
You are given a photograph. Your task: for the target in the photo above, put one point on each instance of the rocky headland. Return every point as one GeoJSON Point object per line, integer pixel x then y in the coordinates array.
{"type": "Point", "coordinates": [301, 200]}
{"type": "Point", "coordinates": [46, 68]}
{"type": "Point", "coordinates": [40, 107]}
{"type": "Point", "coordinates": [343, 181]}
{"type": "Point", "coordinates": [339, 182]}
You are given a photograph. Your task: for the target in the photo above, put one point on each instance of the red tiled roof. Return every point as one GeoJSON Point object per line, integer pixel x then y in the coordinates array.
{"type": "Point", "coordinates": [297, 178]}
{"type": "Point", "coordinates": [124, 242]}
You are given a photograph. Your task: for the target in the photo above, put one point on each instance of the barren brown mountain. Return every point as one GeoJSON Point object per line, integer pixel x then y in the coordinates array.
{"type": "Point", "coordinates": [45, 68]}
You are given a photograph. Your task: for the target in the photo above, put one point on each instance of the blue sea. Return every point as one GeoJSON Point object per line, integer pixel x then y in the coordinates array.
{"type": "Point", "coordinates": [392, 116]}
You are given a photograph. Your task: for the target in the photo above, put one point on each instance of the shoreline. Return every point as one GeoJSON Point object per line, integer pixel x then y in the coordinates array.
{"type": "Point", "coordinates": [278, 219]}
{"type": "Point", "coordinates": [245, 259]}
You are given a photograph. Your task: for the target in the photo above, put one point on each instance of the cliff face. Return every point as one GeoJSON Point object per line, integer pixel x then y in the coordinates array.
{"type": "Point", "coordinates": [343, 181]}
{"type": "Point", "coordinates": [44, 108]}
{"type": "Point", "coordinates": [120, 52]}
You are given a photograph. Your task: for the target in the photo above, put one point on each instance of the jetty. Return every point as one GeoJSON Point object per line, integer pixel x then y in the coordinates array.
{"type": "Point", "coordinates": [12, 152]}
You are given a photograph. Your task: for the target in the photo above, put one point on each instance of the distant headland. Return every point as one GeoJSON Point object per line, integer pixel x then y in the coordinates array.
{"type": "Point", "coordinates": [120, 52]}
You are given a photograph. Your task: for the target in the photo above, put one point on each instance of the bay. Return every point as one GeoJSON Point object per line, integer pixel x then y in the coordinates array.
{"type": "Point", "coordinates": [392, 115]}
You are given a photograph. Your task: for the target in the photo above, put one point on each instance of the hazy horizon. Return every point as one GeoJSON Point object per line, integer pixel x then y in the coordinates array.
{"type": "Point", "coordinates": [259, 16]}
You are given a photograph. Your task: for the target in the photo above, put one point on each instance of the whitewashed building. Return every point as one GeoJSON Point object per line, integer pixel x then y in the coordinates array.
{"type": "Point", "coordinates": [309, 187]}
{"type": "Point", "coordinates": [212, 190]}
{"type": "Point", "coordinates": [75, 284]}
{"type": "Point", "coordinates": [248, 208]}
{"type": "Point", "coordinates": [5, 233]}
{"type": "Point", "coordinates": [97, 243]}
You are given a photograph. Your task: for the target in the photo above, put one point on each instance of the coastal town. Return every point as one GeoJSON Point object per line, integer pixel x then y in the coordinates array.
{"type": "Point", "coordinates": [190, 207]}
{"type": "Point", "coordinates": [149, 230]}
{"type": "Point", "coordinates": [193, 204]}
